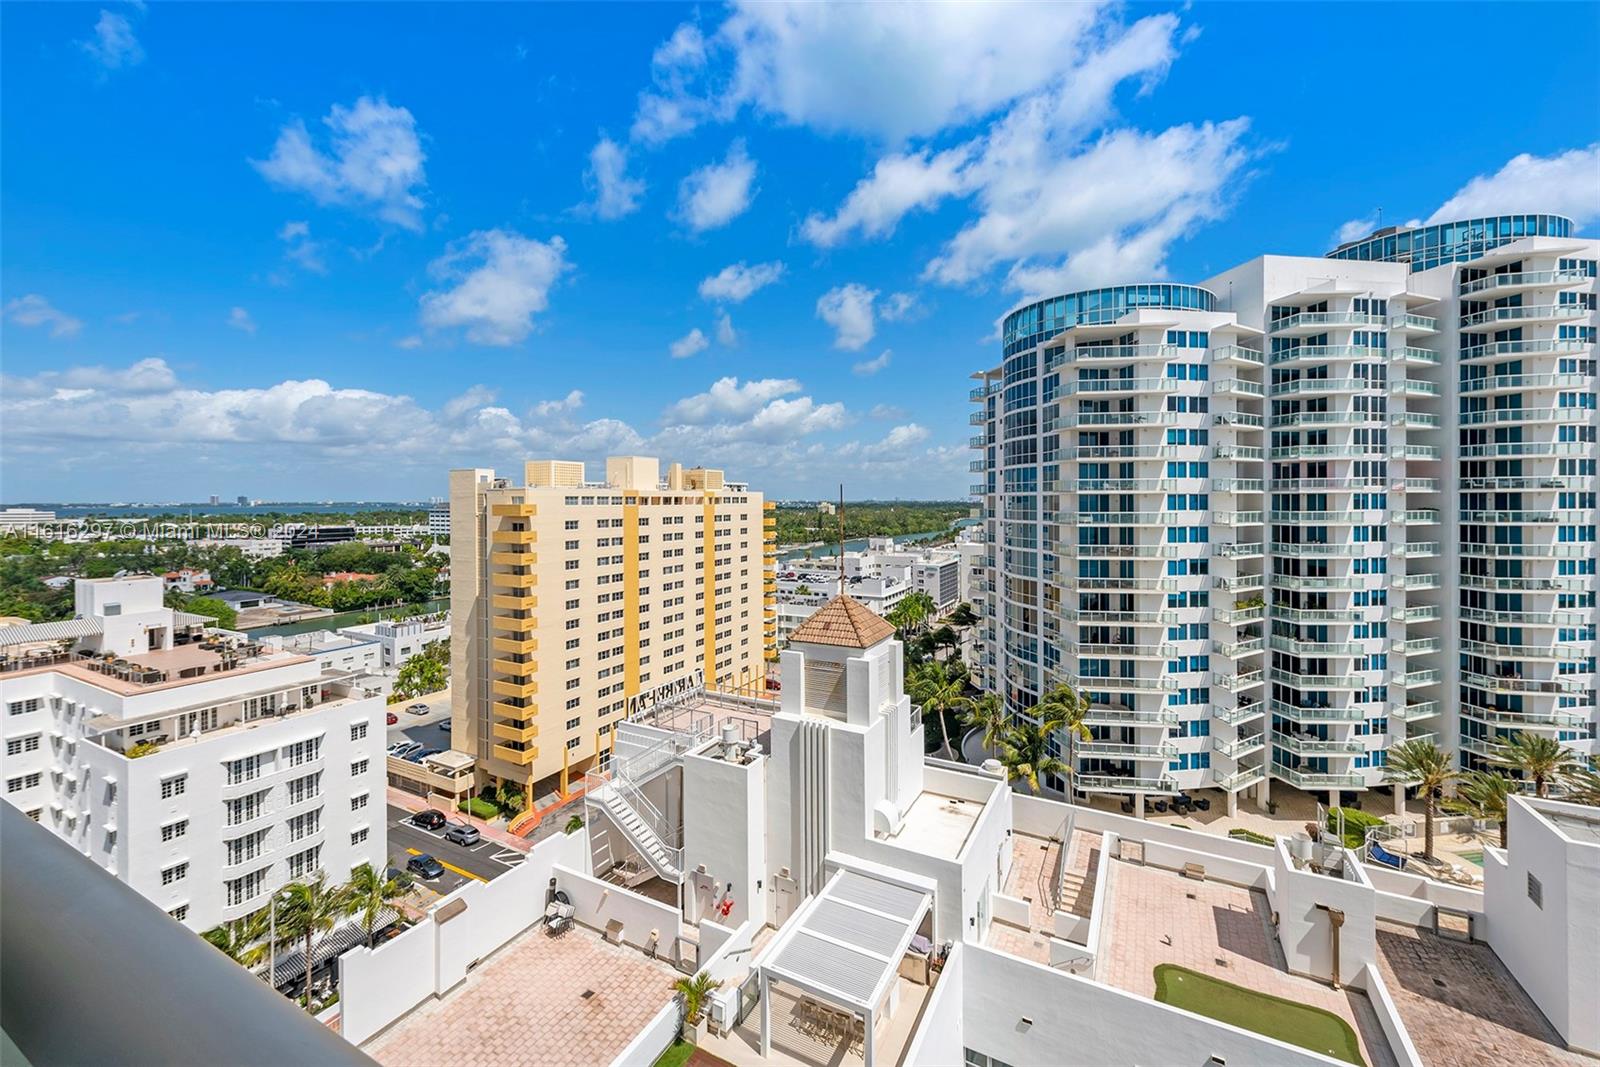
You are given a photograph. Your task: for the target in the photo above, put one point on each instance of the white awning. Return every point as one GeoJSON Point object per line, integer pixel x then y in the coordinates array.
{"type": "Point", "coordinates": [35, 632]}
{"type": "Point", "coordinates": [847, 942]}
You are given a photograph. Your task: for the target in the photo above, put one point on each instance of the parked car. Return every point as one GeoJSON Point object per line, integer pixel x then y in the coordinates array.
{"type": "Point", "coordinates": [391, 718]}
{"type": "Point", "coordinates": [429, 820]}
{"type": "Point", "coordinates": [425, 866]}
{"type": "Point", "coordinates": [463, 834]}
{"type": "Point", "coordinates": [418, 709]}
{"type": "Point", "coordinates": [422, 754]}
{"type": "Point", "coordinates": [406, 749]}
{"type": "Point", "coordinates": [395, 874]}
{"type": "Point", "coordinates": [444, 724]}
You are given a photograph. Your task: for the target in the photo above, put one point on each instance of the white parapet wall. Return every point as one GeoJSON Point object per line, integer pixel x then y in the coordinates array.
{"type": "Point", "coordinates": [1021, 1012]}
{"type": "Point", "coordinates": [377, 987]}
{"type": "Point", "coordinates": [1309, 902]}
{"type": "Point", "coordinates": [641, 922]}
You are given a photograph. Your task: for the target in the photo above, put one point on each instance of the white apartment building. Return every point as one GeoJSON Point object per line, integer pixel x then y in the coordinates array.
{"type": "Point", "coordinates": [806, 585]}
{"type": "Point", "coordinates": [400, 639]}
{"type": "Point", "coordinates": [1231, 513]}
{"type": "Point", "coordinates": [337, 651]}
{"type": "Point", "coordinates": [935, 571]}
{"type": "Point", "coordinates": [858, 904]}
{"type": "Point", "coordinates": [203, 769]}
{"type": "Point", "coordinates": [21, 519]}
{"type": "Point", "coordinates": [251, 547]}
{"type": "Point", "coordinates": [439, 519]}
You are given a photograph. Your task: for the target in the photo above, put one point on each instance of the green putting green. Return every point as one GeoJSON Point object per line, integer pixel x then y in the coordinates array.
{"type": "Point", "coordinates": [1294, 1024]}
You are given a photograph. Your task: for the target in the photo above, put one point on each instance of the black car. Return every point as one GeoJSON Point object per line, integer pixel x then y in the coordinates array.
{"type": "Point", "coordinates": [429, 820]}
{"type": "Point", "coordinates": [425, 866]}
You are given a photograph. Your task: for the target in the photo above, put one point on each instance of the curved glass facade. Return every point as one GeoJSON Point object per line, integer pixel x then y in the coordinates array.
{"type": "Point", "coordinates": [1027, 326]}
{"type": "Point", "coordinates": [1426, 247]}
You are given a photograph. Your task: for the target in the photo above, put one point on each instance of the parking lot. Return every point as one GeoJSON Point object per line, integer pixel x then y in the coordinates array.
{"type": "Point", "coordinates": [424, 729]}
{"type": "Point", "coordinates": [462, 863]}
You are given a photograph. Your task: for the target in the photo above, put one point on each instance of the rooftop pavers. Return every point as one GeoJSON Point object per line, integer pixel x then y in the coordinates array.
{"type": "Point", "coordinates": [526, 1005]}
{"type": "Point", "coordinates": [1460, 1004]}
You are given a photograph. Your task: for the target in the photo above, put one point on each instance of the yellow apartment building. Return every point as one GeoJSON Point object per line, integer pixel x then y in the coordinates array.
{"type": "Point", "coordinates": [575, 602]}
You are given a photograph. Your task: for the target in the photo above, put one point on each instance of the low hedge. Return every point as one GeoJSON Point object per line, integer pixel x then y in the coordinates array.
{"type": "Point", "coordinates": [1251, 836]}
{"type": "Point", "coordinates": [1356, 825]}
{"type": "Point", "coordinates": [479, 807]}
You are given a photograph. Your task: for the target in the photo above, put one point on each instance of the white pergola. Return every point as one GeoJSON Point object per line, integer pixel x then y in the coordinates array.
{"type": "Point", "coordinates": [845, 947]}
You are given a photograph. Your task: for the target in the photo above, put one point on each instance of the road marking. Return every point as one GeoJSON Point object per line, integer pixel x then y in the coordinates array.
{"type": "Point", "coordinates": [510, 857]}
{"type": "Point", "coordinates": [452, 867]}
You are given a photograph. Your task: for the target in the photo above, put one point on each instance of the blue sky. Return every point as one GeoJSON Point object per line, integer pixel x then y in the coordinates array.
{"type": "Point", "coordinates": [316, 251]}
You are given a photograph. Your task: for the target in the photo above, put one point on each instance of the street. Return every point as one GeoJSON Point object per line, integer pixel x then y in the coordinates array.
{"type": "Point", "coordinates": [483, 861]}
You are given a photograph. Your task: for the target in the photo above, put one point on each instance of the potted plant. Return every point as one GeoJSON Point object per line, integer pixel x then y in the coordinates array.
{"type": "Point", "coordinates": [695, 995]}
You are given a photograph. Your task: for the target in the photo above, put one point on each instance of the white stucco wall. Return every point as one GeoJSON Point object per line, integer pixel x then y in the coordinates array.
{"type": "Point", "coordinates": [724, 827]}
{"type": "Point", "coordinates": [1088, 1023]}
{"type": "Point", "coordinates": [1553, 950]}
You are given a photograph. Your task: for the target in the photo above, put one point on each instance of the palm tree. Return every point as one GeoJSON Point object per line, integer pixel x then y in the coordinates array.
{"type": "Point", "coordinates": [1581, 785]}
{"type": "Point", "coordinates": [693, 994]}
{"type": "Point", "coordinates": [1065, 705]}
{"type": "Point", "coordinates": [989, 715]}
{"type": "Point", "coordinates": [944, 637]}
{"type": "Point", "coordinates": [1540, 759]}
{"type": "Point", "coordinates": [902, 617]}
{"type": "Point", "coordinates": [911, 612]}
{"type": "Point", "coordinates": [940, 689]}
{"type": "Point", "coordinates": [963, 616]}
{"type": "Point", "coordinates": [509, 798]}
{"type": "Point", "coordinates": [1025, 751]}
{"type": "Point", "coordinates": [1488, 794]}
{"type": "Point", "coordinates": [310, 911]}
{"type": "Point", "coordinates": [1421, 763]}
{"type": "Point", "coordinates": [370, 892]}
{"type": "Point", "coordinates": [244, 941]}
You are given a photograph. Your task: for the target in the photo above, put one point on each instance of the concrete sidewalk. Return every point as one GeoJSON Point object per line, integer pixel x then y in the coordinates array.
{"type": "Point", "coordinates": [399, 798]}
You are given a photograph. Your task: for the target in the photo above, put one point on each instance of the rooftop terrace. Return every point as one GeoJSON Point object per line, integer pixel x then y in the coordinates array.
{"type": "Point", "coordinates": [1461, 1005]}
{"type": "Point", "coordinates": [568, 999]}
{"type": "Point", "coordinates": [1157, 916]}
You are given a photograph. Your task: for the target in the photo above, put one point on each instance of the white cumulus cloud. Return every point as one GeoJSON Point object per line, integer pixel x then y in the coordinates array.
{"type": "Point", "coordinates": [496, 281]}
{"type": "Point", "coordinates": [690, 343]}
{"type": "Point", "coordinates": [373, 160]}
{"type": "Point", "coordinates": [737, 282]}
{"type": "Point", "coordinates": [905, 436]}
{"type": "Point", "coordinates": [33, 310]}
{"type": "Point", "coordinates": [727, 336]}
{"type": "Point", "coordinates": [326, 438]}
{"type": "Point", "coordinates": [1564, 184]}
{"type": "Point", "coordinates": [848, 309]}
{"type": "Point", "coordinates": [615, 195]}
{"type": "Point", "coordinates": [114, 44]}
{"type": "Point", "coordinates": [872, 366]}
{"type": "Point", "coordinates": [728, 399]}
{"type": "Point", "coordinates": [718, 193]}
{"type": "Point", "coordinates": [898, 185]}
{"type": "Point", "coordinates": [240, 319]}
